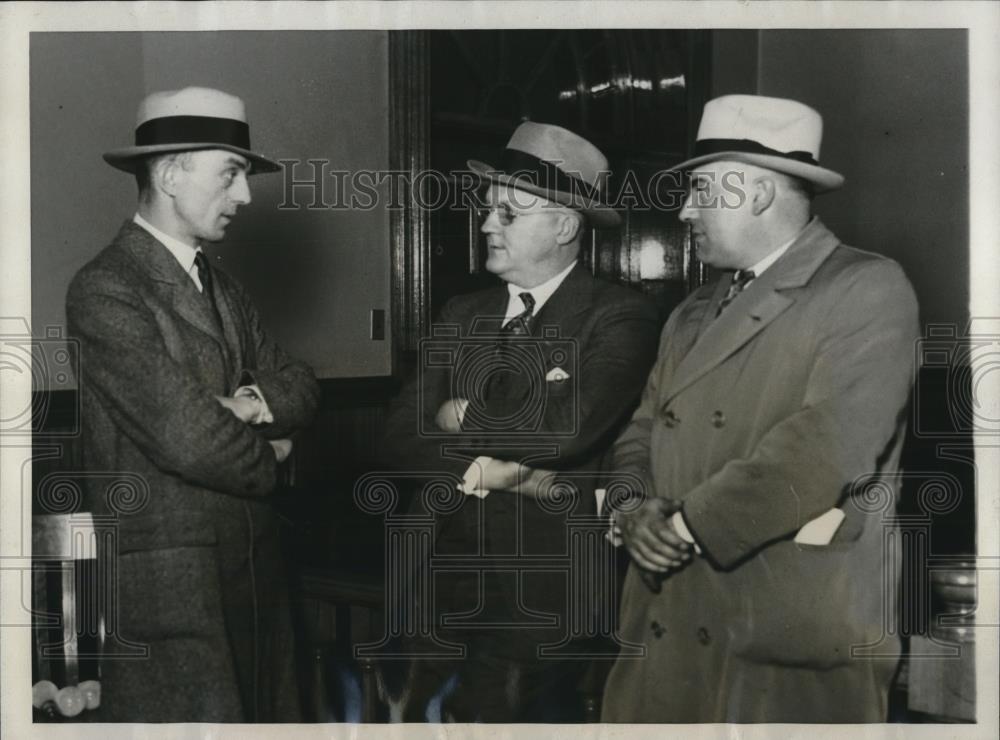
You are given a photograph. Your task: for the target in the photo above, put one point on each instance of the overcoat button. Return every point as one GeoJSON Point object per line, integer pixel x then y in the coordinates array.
{"type": "Point", "coordinates": [657, 629]}
{"type": "Point", "coordinates": [718, 419]}
{"type": "Point", "coordinates": [669, 417]}
{"type": "Point", "coordinates": [703, 637]}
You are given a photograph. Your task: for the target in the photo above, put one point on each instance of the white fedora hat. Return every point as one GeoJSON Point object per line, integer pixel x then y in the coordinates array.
{"type": "Point", "coordinates": [557, 164]}
{"type": "Point", "coordinates": [189, 119]}
{"type": "Point", "coordinates": [779, 134]}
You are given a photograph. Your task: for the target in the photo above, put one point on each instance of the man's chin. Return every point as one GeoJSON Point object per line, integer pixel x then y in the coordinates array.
{"type": "Point", "coordinates": [493, 265]}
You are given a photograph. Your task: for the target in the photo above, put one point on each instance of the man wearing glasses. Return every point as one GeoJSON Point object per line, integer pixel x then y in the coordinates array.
{"type": "Point", "coordinates": [545, 367]}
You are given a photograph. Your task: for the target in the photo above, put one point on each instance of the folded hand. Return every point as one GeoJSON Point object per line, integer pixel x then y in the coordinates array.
{"type": "Point", "coordinates": [449, 416]}
{"type": "Point", "coordinates": [244, 408]}
{"type": "Point", "coordinates": [650, 538]}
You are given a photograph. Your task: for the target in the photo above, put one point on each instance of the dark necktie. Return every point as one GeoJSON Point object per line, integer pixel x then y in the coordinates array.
{"type": "Point", "coordinates": [741, 278]}
{"type": "Point", "coordinates": [520, 325]}
{"type": "Point", "coordinates": [207, 284]}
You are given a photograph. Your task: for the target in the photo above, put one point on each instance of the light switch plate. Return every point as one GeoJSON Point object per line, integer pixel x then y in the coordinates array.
{"type": "Point", "coordinates": [377, 323]}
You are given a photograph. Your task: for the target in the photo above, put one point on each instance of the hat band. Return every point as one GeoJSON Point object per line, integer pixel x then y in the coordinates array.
{"type": "Point", "coordinates": [545, 174]}
{"type": "Point", "coordinates": [190, 129]}
{"type": "Point", "coordinates": [749, 146]}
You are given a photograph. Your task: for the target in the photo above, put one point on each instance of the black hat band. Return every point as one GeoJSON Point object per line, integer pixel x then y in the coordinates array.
{"type": "Point", "coordinates": [188, 129]}
{"type": "Point", "coordinates": [543, 174]}
{"type": "Point", "coordinates": [748, 146]}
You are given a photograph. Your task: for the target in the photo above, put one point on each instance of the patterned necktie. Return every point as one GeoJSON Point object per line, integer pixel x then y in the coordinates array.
{"type": "Point", "coordinates": [520, 325]}
{"type": "Point", "coordinates": [207, 285]}
{"type": "Point", "coordinates": [741, 278]}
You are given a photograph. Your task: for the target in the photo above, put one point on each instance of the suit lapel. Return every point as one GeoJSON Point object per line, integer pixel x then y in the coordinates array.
{"type": "Point", "coordinates": [229, 312]}
{"type": "Point", "coordinates": [760, 304]}
{"type": "Point", "coordinates": [573, 296]}
{"type": "Point", "coordinates": [175, 285]}
{"type": "Point", "coordinates": [488, 314]}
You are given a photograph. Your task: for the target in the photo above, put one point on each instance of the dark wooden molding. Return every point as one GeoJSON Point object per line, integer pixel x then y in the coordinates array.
{"type": "Point", "coordinates": [698, 93]}
{"type": "Point", "coordinates": [409, 67]}
{"type": "Point", "coordinates": [359, 392]}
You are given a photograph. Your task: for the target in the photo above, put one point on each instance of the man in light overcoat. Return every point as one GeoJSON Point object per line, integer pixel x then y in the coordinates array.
{"type": "Point", "coordinates": [768, 437]}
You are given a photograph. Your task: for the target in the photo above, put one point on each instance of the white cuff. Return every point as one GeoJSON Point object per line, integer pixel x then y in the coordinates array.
{"type": "Point", "coordinates": [263, 415]}
{"type": "Point", "coordinates": [681, 527]}
{"type": "Point", "coordinates": [461, 405]}
{"type": "Point", "coordinates": [473, 478]}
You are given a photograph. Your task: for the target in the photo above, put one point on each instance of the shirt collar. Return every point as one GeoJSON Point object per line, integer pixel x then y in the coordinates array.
{"type": "Point", "coordinates": [541, 293]}
{"type": "Point", "coordinates": [773, 257]}
{"type": "Point", "coordinates": [183, 253]}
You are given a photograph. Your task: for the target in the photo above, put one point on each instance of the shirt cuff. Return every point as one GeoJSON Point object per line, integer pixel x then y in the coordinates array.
{"type": "Point", "coordinates": [473, 478]}
{"type": "Point", "coordinates": [263, 415]}
{"type": "Point", "coordinates": [681, 527]}
{"type": "Point", "coordinates": [462, 404]}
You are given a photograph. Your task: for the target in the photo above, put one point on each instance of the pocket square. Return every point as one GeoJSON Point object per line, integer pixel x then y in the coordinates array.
{"type": "Point", "coordinates": [557, 375]}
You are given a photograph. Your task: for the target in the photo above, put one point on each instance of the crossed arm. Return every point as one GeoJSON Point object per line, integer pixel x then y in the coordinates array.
{"type": "Point", "coordinates": [164, 409]}
{"type": "Point", "coordinates": [612, 363]}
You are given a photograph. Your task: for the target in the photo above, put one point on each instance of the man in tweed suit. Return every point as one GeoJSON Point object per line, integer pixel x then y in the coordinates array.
{"type": "Point", "coordinates": [181, 385]}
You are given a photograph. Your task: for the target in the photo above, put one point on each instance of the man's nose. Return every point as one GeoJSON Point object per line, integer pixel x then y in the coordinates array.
{"type": "Point", "coordinates": [240, 192]}
{"type": "Point", "coordinates": [491, 224]}
{"type": "Point", "coordinates": [688, 211]}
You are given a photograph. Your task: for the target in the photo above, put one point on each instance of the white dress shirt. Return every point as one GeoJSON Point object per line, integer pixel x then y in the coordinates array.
{"type": "Point", "coordinates": [541, 294]}
{"type": "Point", "coordinates": [183, 253]}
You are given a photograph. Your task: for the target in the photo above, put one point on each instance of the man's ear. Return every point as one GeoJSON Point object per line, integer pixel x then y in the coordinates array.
{"type": "Point", "coordinates": [569, 227]}
{"type": "Point", "coordinates": [164, 175]}
{"type": "Point", "coordinates": [763, 194]}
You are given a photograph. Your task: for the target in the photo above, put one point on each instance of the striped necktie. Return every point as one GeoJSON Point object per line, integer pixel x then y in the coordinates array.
{"type": "Point", "coordinates": [741, 278]}
{"type": "Point", "coordinates": [520, 325]}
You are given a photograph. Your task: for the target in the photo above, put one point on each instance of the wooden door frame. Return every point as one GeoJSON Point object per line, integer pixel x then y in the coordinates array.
{"type": "Point", "coordinates": [409, 132]}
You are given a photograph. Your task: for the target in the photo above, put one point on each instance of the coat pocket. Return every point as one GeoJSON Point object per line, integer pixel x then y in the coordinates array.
{"type": "Point", "coordinates": [809, 606]}
{"type": "Point", "coordinates": [168, 581]}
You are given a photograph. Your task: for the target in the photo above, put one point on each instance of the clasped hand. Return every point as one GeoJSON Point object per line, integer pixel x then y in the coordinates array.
{"type": "Point", "coordinates": [650, 537]}
{"type": "Point", "coordinates": [245, 408]}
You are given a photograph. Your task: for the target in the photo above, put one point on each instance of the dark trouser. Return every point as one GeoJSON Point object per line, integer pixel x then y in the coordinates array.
{"type": "Point", "coordinates": [502, 677]}
{"type": "Point", "coordinates": [484, 687]}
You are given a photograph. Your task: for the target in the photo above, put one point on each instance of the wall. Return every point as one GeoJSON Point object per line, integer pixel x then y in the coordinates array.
{"type": "Point", "coordinates": [315, 274]}
{"type": "Point", "coordinates": [895, 109]}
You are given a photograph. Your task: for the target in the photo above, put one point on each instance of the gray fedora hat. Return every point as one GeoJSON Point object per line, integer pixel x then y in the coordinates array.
{"type": "Point", "coordinates": [186, 120]}
{"type": "Point", "coordinates": [554, 163]}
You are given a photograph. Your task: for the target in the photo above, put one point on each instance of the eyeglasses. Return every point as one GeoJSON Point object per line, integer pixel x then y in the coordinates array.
{"type": "Point", "coordinates": [506, 214]}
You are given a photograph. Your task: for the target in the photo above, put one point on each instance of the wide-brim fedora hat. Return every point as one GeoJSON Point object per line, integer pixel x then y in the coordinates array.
{"type": "Point", "coordinates": [554, 163]}
{"type": "Point", "coordinates": [187, 120]}
{"type": "Point", "coordinates": [776, 133]}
